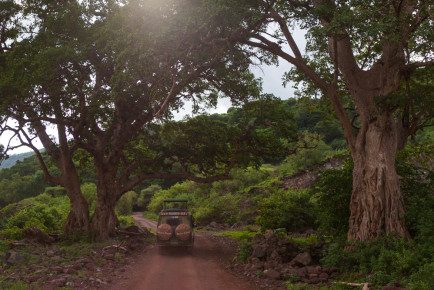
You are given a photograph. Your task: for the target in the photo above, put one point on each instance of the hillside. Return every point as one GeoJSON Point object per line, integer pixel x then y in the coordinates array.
{"type": "Point", "coordinates": [12, 160]}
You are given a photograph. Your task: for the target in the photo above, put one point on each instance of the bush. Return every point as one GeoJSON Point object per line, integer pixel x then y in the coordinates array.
{"type": "Point", "coordinates": [290, 209]}
{"type": "Point", "coordinates": [417, 184]}
{"type": "Point", "coordinates": [44, 212]}
{"type": "Point", "coordinates": [146, 195]}
{"type": "Point", "coordinates": [89, 192]}
{"type": "Point", "coordinates": [217, 208]}
{"type": "Point", "coordinates": [385, 260]}
{"type": "Point", "coordinates": [125, 203]}
{"type": "Point", "coordinates": [423, 279]}
{"type": "Point", "coordinates": [55, 191]}
{"type": "Point", "coordinates": [333, 195]}
{"type": "Point", "coordinates": [126, 221]}
{"type": "Point", "coordinates": [305, 158]}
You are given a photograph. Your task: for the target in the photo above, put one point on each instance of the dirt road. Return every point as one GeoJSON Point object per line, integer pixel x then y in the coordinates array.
{"type": "Point", "coordinates": [178, 270]}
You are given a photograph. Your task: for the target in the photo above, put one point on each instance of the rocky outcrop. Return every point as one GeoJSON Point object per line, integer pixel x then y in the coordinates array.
{"type": "Point", "coordinates": [307, 178]}
{"type": "Point", "coordinates": [278, 257]}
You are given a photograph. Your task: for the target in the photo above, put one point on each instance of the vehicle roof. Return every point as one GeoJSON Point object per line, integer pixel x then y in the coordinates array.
{"type": "Point", "coordinates": [174, 210]}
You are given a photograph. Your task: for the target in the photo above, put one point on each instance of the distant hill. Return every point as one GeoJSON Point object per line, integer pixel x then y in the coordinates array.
{"type": "Point", "coordinates": [14, 158]}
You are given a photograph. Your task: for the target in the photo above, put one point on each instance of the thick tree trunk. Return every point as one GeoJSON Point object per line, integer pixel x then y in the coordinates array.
{"type": "Point", "coordinates": [104, 221]}
{"type": "Point", "coordinates": [78, 217]}
{"type": "Point", "coordinates": [376, 203]}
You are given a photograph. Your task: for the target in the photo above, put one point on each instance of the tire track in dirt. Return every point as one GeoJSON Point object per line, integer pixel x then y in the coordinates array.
{"type": "Point", "coordinates": [179, 270]}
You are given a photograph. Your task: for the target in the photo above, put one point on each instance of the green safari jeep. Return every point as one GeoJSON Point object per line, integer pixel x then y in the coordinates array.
{"type": "Point", "coordinates": [175, 225]}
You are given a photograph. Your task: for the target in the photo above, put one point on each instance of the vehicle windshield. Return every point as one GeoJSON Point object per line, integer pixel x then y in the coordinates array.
{"type": "Point", "coordinates": [175, 220]}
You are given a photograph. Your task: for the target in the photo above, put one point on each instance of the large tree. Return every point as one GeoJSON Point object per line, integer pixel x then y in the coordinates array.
{"type": "Point", "coordinates": [109, 75]}
{"type": "Point", "coordinates": [36, 88]}
{"type": "Point", "coordinates": [378, 53]}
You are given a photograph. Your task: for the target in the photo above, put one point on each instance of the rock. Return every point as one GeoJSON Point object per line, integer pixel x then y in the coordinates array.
{"type": "Point", "coordinates": [257, 266]}
{"type": "Point", "coordinates": [258, 237]}
{"type": "Point", "coordinates": [70, 271]}
{"type": "Point", "coordinates": [60, 282]}
{"type": "Point", "coordinates": [77, 267]}
{"type": "Point", "coordinates": [255, 260]}
{"type": "Point", "coordinates": [237, 225]}
{"type": "Point", "coordinates": [323, 276]}
{"type": "Point", "coordinates": [213, 225]}
{"type": "Point", "coordinates": [90, 266]}
{"type": "Point", "coordinates": [314, 270]}
{"type": "Point", "coordinates": [274, 258]}
{"type": "Point", "coordinates": [56, 259]}
{"type": "Point", "coordinates": [259, 252]}
{"type": "Point", "coordinates": [36, 236]}
{"type": "Point", "coordinates": [272, 274]}
{"type": "Point", "coordinates": [50, 253]}
{"type": "Point", "coordinates": [301, 272]}
{"type": "Point", "coordinates": [302, 259]}
{"type": "Point", "coordinates": [69, 284]}
{"type": "Point", "coordinates": [314, 280]}
{"type": "Point", "coordinates": [109, 256]}
{"type": "Point", "coordinates": [13, 258]}
{"type": "Point", "coordinates": [32, 279]}
{"type": "Point", "coordinates": [329, 271]}
{"type": "Point", "coordinates": [281, 250]}
{"type": "Point", "coordinates": [56, 269]}
{"type": "Point", "coordinates": [269, 234]}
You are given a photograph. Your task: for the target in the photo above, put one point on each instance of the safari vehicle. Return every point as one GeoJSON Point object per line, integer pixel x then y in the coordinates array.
{"type": "Point", "coordinates": [175, 225]}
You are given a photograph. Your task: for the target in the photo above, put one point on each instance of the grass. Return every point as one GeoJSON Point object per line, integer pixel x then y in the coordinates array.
{"type": "Point", "coordinates": [239, 235]}
{"type": "Point", "coordinates": [150, 215]}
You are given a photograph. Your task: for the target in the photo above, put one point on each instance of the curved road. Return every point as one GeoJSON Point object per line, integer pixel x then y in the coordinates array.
{"type": "Point", "coordinates": [177, 270]}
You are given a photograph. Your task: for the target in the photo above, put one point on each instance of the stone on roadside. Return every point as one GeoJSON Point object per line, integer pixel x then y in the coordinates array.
{"type": "Point", "coordinates": [272, 274]}
{"type": "Point", "coordinates": [302, 259]}
{"type": "Point", "coordinates": [13, 258]}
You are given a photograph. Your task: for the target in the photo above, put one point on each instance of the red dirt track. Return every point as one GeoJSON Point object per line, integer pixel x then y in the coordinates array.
{"type": "Point", "coordinates": [178, 270]}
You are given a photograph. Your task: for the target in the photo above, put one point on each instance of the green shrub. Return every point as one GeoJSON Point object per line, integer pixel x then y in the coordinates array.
{"type": "Point", "coordinates": [290, 209]}
{"type": "Point", "coordinates": [244, 250]}
{"type": "Point", "coordinates": [89, 192]}
{"type": "Point", "coordinates": [305, 158]}
{"type": "Point", "coordinates": [384, 260]}
{"type": "Point", "coordinates": [125, 204]}
{"type": "Point", "coordinates": [333, 195]}
{"type": "Point", "coordinates": [126, 221]}
{"type": "Point", "coordinates": [156, 203]}
{"type": "Point", "coordinates": [55, 191]}
{"type": "Point", "coordinates": [146, 195]}
{"type": "Point", "coordinates": [150, 215]}
{"type": "Point", "coordinates": [423, 279]}
{"type": "Point", "coordinates": [417, 184]}
{"type": "Point", "coordinates": [13, 233]}
{"type": "Point", "coordinates": [218, 208]}
{"type": "Point", "coordinates": [44, 212]}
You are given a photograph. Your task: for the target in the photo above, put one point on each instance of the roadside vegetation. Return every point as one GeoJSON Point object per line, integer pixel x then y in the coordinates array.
{"type": "Point", "coordinates": [254, 200]}
{"type": "Point", "coordinates": [109, 76]}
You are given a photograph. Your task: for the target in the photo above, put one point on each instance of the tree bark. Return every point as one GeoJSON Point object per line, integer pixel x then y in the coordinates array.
{"type": "Point", "coordinates": [104, 221]}
{"type": "Point", "coordinates": [376, 202]}
{"type": "Point", "coordinates": [78, 217]}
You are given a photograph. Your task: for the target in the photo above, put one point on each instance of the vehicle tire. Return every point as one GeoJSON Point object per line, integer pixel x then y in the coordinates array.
{"type": "Point", "coordinates": [164, 232]}
{"type": "Point", "coordinates": [183, 232]}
